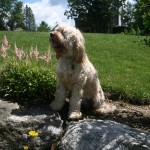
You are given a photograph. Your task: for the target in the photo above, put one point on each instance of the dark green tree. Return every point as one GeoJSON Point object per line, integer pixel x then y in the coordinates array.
{"type": "Point", "coordinates": [5, 7]}
{"type": "Point", "coordinates": [138, 20]}
{"type": "Point", "coordinates": [43, 27]}
{"type": "Point", "coordinates": [97, 13]}
{"type": "Point", "coordinates": [29, 19]}
{"type": "Point", "coordinates": [142, 14]}
{"type": "Point", "coordinates": [16, 16]}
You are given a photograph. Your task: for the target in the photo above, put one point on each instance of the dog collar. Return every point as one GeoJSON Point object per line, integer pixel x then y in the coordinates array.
{"type": "Point", "coordinates": [72, 67]}
{"type": "Point", "coordinates": [71, 58]}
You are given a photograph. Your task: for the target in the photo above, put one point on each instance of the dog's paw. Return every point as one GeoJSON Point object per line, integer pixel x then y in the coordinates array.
{"type": "Point", "coordinates": [54, 106]}
{"type": "Point", "coordinates": [105, 109]}
{"type": "Point", "coordinates": [98, 111]}
{"type": "Point", "coordinates": [75, 115]}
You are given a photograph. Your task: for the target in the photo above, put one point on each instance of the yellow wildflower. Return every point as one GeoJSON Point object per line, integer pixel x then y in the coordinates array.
{"type": "Point", "coordinates": [33, 133]}
{"type": "Point", "coordinates": [26, 148]}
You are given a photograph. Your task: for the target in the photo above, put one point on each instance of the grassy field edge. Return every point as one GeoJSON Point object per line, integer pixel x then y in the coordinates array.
{"type": "Point", "coordinates": [122, 64]}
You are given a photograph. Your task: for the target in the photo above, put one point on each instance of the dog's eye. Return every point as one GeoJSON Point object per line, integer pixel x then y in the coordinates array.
{"type": "Point", "coordinates": [62, 32]}
{"type": "Point", "coordinates": [59, 30]}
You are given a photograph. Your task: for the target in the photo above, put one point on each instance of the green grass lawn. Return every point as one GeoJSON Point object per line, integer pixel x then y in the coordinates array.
{"type": "Point", "coordinates": [123, 65]}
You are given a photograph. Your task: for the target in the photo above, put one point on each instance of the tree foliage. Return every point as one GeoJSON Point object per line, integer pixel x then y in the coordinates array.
{"type": "Point", "coordinates": [5, 7]}
{"type": "Point", "coordinates": [29, 19]}
{"type": "Point", "coordinates": [145, 6]}
{"type": "Point", "coordinates": [97, 13]}
{"type": "Point", "coordinates": [142, 14]}
{"type": "Point", "coordinates": [127, 13]}
{"type": "Point", "coordinates": [16, 16]}
{"type": "Point", "coordinates": [43, 27]}
{"type": "Point", "coordinates": [12, 15]}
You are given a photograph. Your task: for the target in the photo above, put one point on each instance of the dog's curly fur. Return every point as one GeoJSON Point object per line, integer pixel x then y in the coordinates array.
{"type": "Point", "coordinates": [75, 74]}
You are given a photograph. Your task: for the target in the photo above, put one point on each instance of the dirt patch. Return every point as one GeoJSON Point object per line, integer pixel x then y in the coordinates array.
{"type": "Point", "coordinates": [132, 115]}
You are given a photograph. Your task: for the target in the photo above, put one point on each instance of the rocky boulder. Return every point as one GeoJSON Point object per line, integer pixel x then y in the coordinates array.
{"type": "Point", "coordinates": [103, 135]}
{"type": "Point", "coordinates": [15, 125]}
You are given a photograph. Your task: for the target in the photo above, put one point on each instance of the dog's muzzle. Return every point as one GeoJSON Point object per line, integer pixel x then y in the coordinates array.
{"type": "Point", "coordinates": [51, 35]}
{"type": "Point", "coordinates": [52, 39]}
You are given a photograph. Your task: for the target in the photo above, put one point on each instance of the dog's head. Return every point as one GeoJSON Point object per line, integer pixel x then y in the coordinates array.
{"type": "Point", "coordinates": [68, 41]}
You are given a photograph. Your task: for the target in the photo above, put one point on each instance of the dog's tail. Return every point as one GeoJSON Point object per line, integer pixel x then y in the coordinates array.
{"type": "Point", "coordinates": [106, 108]}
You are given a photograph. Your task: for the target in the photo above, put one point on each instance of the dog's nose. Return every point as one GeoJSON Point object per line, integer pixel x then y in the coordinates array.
{"type": "Point", "coordinates": [51, 34]}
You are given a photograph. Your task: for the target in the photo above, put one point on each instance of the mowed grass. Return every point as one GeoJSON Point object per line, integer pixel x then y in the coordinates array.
{"type": "Point", "coordinates": [123, 66]}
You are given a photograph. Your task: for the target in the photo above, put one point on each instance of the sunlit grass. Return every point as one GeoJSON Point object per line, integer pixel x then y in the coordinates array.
{"type": "Point", "coordinates": [123, 65]}
{"type": "Point", "coordinates": [26, 40]}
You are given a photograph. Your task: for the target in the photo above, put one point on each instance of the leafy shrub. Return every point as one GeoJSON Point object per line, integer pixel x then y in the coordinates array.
{"type": "Point", "coordinates": [132, 31]}
{"type": "Point", "coordinates": [27, 83]}
{"type": "Point", "coordinates": [126, 31]}
{"type": "Point", "coordinates": [139, 32]}
{"type": "Point", "coordinates": [23, 78]}
{"type": "Point", "coordinates": [145, 41]}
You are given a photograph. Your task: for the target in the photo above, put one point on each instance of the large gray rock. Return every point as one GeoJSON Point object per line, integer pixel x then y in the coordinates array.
{"type": "Point", "coordinates": [15, 125]}
{"type": "Point", "coordinates": [103, 135]}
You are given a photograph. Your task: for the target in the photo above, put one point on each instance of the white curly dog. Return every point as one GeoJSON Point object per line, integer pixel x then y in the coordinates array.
{"type": "Point", "coordinates": [75, 74]}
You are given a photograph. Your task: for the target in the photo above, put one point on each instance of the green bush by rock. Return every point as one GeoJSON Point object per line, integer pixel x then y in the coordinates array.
{"type": "Point", "coordinates": [27, 83]}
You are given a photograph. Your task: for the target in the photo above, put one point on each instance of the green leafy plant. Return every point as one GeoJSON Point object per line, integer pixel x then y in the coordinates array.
{"type": "Point", "coordinates": [132, 31]}
{"type": "Point", "coordinates": [27, 83]}
{"type": "Point", "coordinates": [26, 78]}
{"type": "Point", "coordinates": [139, 32]}
{"type": "Point", "coordinates": [125, 32]}
{"type": "Point", "coordinates": [147, 41]}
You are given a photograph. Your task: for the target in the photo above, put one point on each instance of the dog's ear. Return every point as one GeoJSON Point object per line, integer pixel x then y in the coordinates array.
{"type": "Point", "coordinates": [79, 49]}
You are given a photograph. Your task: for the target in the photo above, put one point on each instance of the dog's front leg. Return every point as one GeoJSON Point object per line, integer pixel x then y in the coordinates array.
{"type": "Point", "coordinates": [60, 97]}
{"type": "Point", "coordinates": [75, 104]}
